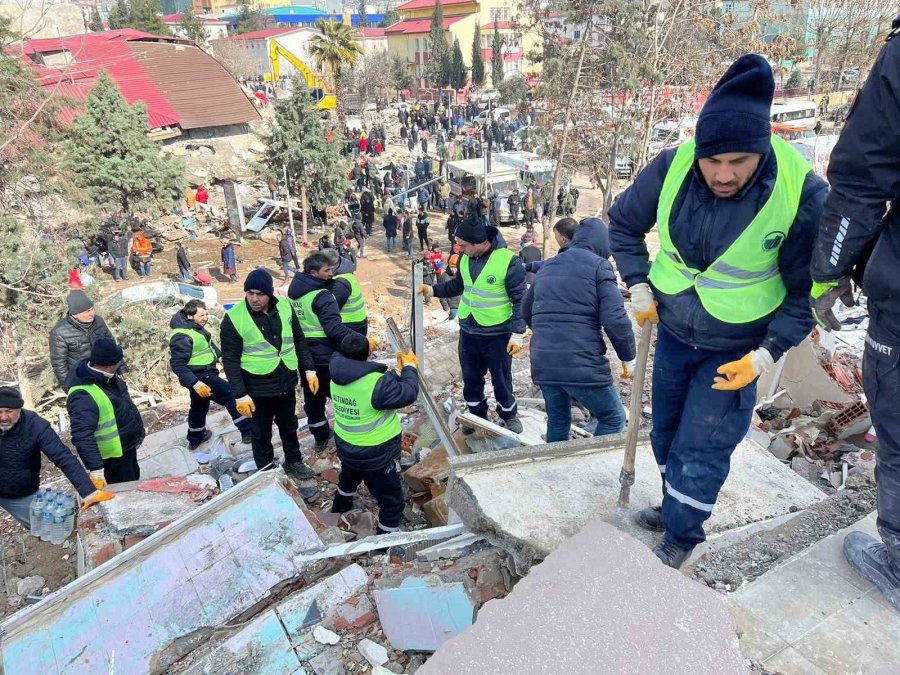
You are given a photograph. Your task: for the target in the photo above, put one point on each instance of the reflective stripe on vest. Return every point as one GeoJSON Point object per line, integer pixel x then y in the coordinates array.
{"type": "Point", "coordinates": [202, 353]}
{"type": "Point", "coordinates": [107, 432]}
{"type": "Point", "coordinates": [307, 318]}
{"type": "Point", "coordinates": [259, 357]}
{"type": "Point", "coordinates": [355, 420]}
{"type": "Point", "coordinates": [744, 284]}
{"type": "Point", "coordinates": [486, 299]}
{"type": "Point", "coordinates": [354, 310]}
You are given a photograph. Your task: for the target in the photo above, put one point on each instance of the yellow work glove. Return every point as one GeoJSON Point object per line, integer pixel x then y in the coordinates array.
{"type": "Point", "coordinates": [97, 497]}
{"type": "Point", "coordinates": [515, 344]}
{"type": "Point", "coordinates": [203, 390]}
{"type": "Point", "coordinates": [245, 406]}
{"type": "Point", "coordinates": [738, 374]}
{"type": "Point", "coordinates": [98, 478]}
{"type": "Point", "coordinates": [313, 381]}
{"type": "Point", "coordinates": [643, 305]}
{"type": "Point", "coordinates": [628, 368]}
{"type": "Point", "coordinates": [407, 359]}
{"type": "Point", "coordinates": [373, 345]}
{"type": "Point", "coordinates": [426, 292]}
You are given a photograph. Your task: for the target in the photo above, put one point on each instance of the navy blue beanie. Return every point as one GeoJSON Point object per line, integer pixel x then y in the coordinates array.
{"type": "Point", "coordinates": [471, 230]}
{"type": "Point", "coordinates": [105, 352]}
{"type": "Point", "coordinates": [260, 280]}
{"type": "Point", "coordinates": [737, 115]}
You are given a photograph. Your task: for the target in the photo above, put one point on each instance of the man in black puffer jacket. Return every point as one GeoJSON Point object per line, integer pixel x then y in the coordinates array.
{"type": "Point", "coordinates": [24, 435]}
{"type": "Point", "coordinates": [573, 297]}
{"type": "Point", "coordinates": [193, 357]}
{"type": "Point", "coordinates": [71, 338]}
{"type": "Point", "coordinates": [107, 428]}
{"type": "Point", "coordinates": [366, 396]}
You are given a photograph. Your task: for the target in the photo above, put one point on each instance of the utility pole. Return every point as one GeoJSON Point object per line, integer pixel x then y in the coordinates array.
{"type": "Point", "coordinates": [287, 200]}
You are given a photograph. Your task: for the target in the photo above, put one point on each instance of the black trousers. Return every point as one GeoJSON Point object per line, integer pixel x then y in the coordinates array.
{"type": "Point", "coordinates": [314, 405]}
{"type": "Point", "coordinates": [221, 394]}
{"type": "Point", "coordinates": [384, 485]}
{"type": "Point", "coordinates": [122, 469]}
{"type": "Point", "coordinates": [478, 355]}
{"type": "Point", "coordinates": [282, 411]}
{"type": "Point", "coordinates": [424, 244]}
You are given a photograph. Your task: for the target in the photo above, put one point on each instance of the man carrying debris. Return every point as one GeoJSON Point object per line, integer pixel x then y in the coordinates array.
{"type": "Point", "coordinates": [366, 396]}
{"type": "Point", "coordinates": [859, 239]}
{"type": "Point", "coordinates": [491, 281]}
{"type": "Point", "coordinates": [736, 209]}
{"type": "Point", "coordinates": [107, 428]}
{"type": "Point", "coordinates": [263, 347]}
{"type": "Point", "coordinates": [320, 318]}
{"type": "Point", "coordinates": [348, 294]}
{"type": "Point", "coordinates": [573, 297]}
{"type": "Point", "coordinates": [72, 337]}
{"type": "Point", "coordinates": [24, 435]}
{"type": "Point", "coordinates": [192, 357]}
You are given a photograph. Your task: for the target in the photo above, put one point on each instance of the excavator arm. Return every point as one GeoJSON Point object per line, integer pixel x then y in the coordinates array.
{"type": "Point", "coordinates": [276, 52]}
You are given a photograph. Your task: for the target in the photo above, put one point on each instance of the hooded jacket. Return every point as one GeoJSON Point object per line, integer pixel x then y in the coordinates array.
{"type": "Point", "coordinates": [392, 392]}
{"type": "Point", "coordinates": [141, 245]}
{"type": "Point", "coordinates": [281, 380]}
{"type": "Point", "coordinates": [515, 288]}
{"type": "Point", "coordinates": [702, 227]}
{"type": "Point", "coordinates": [326, 308]}
{"type": "Point", "coordinates": [84, 415]}
{"type": "Point", "coordinates": [574, 295]}
{"type": "Point", "coordinates": [71, 342]}
{"type": "Point", "coordinates": [181, 347]}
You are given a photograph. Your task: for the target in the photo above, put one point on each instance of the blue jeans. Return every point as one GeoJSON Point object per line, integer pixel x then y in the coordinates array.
{"type": "Point", "coordinates": [407, 245]}
{"type": "Point", "coordinates": [143, 268]}
{"type": "Point", "coordinates": [120, 271]}
{"type": "Point", "coordinates": [603, 402]}
{"type": "Point", "coordinates": [19, 508]}
{"type": "Point", "coordinates": [186, 275]}
{"type": "Point", "coordinates": [391, 242]}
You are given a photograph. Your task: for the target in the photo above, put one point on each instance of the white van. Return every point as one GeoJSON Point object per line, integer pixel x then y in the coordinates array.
{"type": "Point", "coordinates": [498, 114]}
{"type": "Point", "coordinates": [533, 169]}
{"type": "Point", "coordinates": [669, 134]}
{"type": "Point", "coordinates": [468, 179]}
{"type": "Point", "coordinates": [799, 115]}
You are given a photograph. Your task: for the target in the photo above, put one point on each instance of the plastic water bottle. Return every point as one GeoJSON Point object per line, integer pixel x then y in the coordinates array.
{"type": "Point", "coordinates": [47, 518]}
{"type": "Point", "coordinates": [70, 514]}
{"type": "Point", "coordinates": [37, 507]}
{"type": "Point", "coordinates": [57, 535]}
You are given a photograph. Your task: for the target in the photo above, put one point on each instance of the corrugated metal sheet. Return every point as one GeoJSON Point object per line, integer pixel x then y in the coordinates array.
{"type": "Point", "coordinates": [264, 33]}
{"type": "Point", "coordinates": [199, 89]}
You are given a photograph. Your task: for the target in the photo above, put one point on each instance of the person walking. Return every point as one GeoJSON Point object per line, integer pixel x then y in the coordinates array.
{"type": "Point", "coordinates": [320, 318]}
{"type": "Point", "coordinates": [263, 350]}
{"type": "Point", "coordinates": [229, 260]}
{"type": "Point", "coordinates": [73, 336]}
{"type": "Point", "coordinates": [422, 223]}
{"type": "Point", "coordinates": [359, 234]}
{"type": "Point", "coordinates": [531, 253]}
{"type": "Point", "coordinates": [406, 231]}
{"type": "Point", "coordinates": [367, 429]}
{"type": "Point", "coordinates": [514, 201]}
{"type": "Point", "coordinates": [859, 241]}
{"type": "Point", "coordinates": [142, 250]}
{"type": "Point", "coordinates": [367, 209]}
{"type": "Point", "coordinates": [287, 253]}
{"type": "Point", "coordinates": [24, 437]}
{"type": "Point", "coordinates": [389, 223]}
{"type": "Point", "coordinates": [443, 192]}
{"type": "Point", "coordinates": [118, 251]}
{"type": "Point", "coordinates": [193, 357]}
{"type": "Point", "coordinates": [107, 428]}
{"type": "Point", "coordinates": [184, 265]}
{"type": "Point", "coordinates": [574, 296]}
{"type": "Point", "coordinates": [491, 281]}
{"type": "Point", "coordinates": [737, 209]}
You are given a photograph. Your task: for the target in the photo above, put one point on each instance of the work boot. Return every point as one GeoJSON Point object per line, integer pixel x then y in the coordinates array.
{"type": "Point", "coordinates": [298, 470]}
{"type": "Point", "coordinates": [341, 503]}
{"type": "Point", "coordinates": [650, 519]}
{"type": "Point", "coordinates": [671, 555]}
{"type": "Point", "coordinates": [513, 424]}
{"type": "Point", "coordinates": [467, 430]}
{"type": "Point", "coordinates": [871, 559]}
{"type": "Point", "coordinates": [193, 445]}
{"type": "Point", "coordinates": [327, 445]}
{"type": "Point", "coordinates": [247, 438]}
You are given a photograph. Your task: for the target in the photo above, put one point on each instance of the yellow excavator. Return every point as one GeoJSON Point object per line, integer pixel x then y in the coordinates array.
{"type": "Point", "coordinates": [324, 101]}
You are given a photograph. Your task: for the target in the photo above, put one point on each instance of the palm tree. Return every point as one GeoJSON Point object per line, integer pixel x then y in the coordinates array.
{"type": "Point", "coordinates": [337, 45]}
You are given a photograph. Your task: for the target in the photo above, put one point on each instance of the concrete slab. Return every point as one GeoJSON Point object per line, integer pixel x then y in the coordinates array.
{"type": "Point", "coordinates": [176, 460]}
{"type": "Point", "coordinates": [569, 484]}
{"type": "Point", "coordinates": [138, 512]}
{"type": "Point", "coordinates": [320, 600]}
{"type": "Point", "coordinates": [601, 602]}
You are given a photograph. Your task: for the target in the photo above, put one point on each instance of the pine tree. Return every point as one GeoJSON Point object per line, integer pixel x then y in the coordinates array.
{"type": "Point", "coordinates": [390, 18]}
{"type": "Point", "coordinates": [477, 58]}
{"type": "Point", "coordinates": [436, 71]}
{"type": "Point", "coordinates": [457, 67]}
{"type": "Point", "coordinates": [249, 19]}
{"type": "Point", "coordinates": [96, 23]}
{"type": "Point", "coordinates": [192, 27]}
{"type": "Point", "coordinates": [298, 141]}
{"type": "Point", "coordinates": [496, 58]}
{"type": "Point", "coordinates": [363, 19]}
{"type": "Point", "coordinates": [111, 157]}
{"type": "Point", "coordinates": [118, 15]}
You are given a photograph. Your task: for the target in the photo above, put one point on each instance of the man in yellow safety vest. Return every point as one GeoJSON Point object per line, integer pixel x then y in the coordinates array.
{"type": "Point", "coordinates": [737, 210]}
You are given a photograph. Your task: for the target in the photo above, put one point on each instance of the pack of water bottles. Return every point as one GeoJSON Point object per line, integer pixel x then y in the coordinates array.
{"type": "Point", "coordinates": [52, 515]}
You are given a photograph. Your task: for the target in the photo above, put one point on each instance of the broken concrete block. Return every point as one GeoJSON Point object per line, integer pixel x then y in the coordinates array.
{"type": "Point", "coordinates": [600, 595]}
{"type": "Point", "coordinates": [260, 647]}
{"type": "Point", "coordinates": [437, 510]}
{"type": "Point", "coordinates": [324, 636]}
{"type": "Point", "coordinates": [779, 447]}
{"type": "Point", "coordinates": [327, 663]}
{"type": "Point", "coordinates": [355, 613]}
{"type": "Point", "coordinates": [29, 585]}
{"type": "Point", "coordinates": [175, 460]}
{"type": "Point", "coordinates": [373, 652]}
{"type": "Point", "coordinates": [432, 470]}
{"type": "Point", "coordinates": [452, 548]}
{"type": "Point", "coordinates": [137, 512]}
{"type": "Point", "coordinates": [421, 616]}
{"type": "Point", "coordinates": [95, 548]}
{"type": "Point", "coordinates": [321, 599]}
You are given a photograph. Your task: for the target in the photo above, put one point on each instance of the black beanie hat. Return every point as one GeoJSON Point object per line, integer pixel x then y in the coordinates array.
{"type": "Point", "coordinates": [471, 230]}
{"type": "Point", "coordinates": [78, 302]}
{"type": "Point", "coordinates": [10, 398]}
{"type": "Point", "coordinates": [355, 346]}
{"type": "Point", "coordinates": [260, 280]}
{"type": "Point", "coordinates": [105, 352]}
{"type": "Point", "coordinates": [737, 116]}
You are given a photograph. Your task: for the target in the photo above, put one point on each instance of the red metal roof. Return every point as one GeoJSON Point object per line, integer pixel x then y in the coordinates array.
{"type": "Point", "coordinates": [265, 33]}
{"type": "Point", "coordinates": [370, 32]}
{"type": "Point", "coordinates": [416, 26]}
{"type": "Point", "coordinates": [422, 4]}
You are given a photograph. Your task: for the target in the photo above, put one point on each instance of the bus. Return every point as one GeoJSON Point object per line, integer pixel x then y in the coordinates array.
{"type": "Point", "coordinates": [468, 179]}
{"type": "Point", "coordinates": [533, 169]}
{"type": "Point", "coordinates": [800, 115]}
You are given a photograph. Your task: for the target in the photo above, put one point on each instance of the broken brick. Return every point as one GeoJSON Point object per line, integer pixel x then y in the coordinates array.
{"type": "Point", "coordinates": [331, 475]}
{"type": "Point", "coordinates": [132, 539]}
{"type": "Point", "coordinates": [355, 613]}
{"type": "Point", "coordinates": [431, 471]}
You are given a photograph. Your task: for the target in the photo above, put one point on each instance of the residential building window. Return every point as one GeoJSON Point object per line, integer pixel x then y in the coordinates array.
{"type": "Point", "coordinates": [577, 34]}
